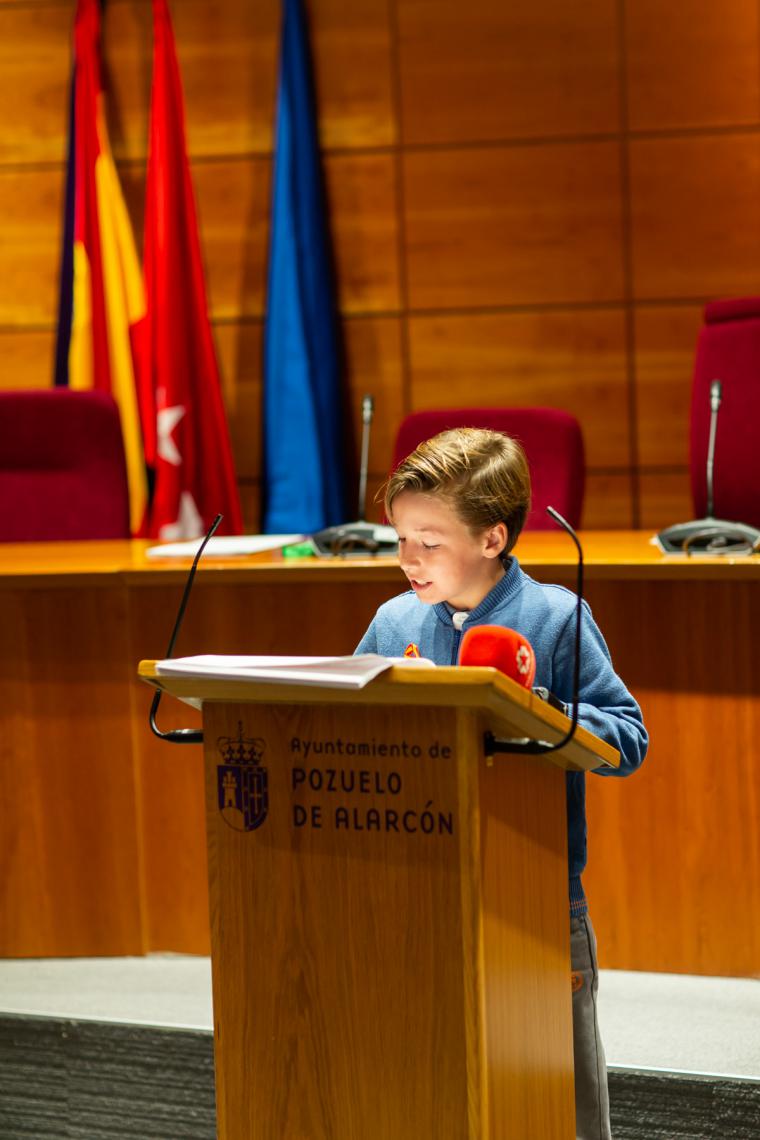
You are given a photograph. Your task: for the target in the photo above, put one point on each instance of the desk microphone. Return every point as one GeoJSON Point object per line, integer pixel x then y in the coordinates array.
{"type": "Point", "coordinates": [359, 538]}
{"type": "Point", "coordinates": [523, 745]}
{"type": "Point", "coordinates": [710, 535]}
{"type": "Point", "coordinates": [181, 735]}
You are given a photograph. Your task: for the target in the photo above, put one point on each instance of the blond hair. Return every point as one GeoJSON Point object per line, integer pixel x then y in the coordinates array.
{"type": "Point", "coordinates": [482, 474]}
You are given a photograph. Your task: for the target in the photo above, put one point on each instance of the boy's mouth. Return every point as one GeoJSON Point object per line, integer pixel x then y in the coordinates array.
{"type": "Point", "coordinates": [417, 585]}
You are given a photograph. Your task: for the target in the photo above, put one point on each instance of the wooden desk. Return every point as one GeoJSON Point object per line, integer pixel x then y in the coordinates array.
{"type": "Point", "coordinates": [102, 842]}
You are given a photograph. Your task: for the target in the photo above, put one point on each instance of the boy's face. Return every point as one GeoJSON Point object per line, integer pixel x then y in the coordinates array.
{"type": "Point", "coordinates": [443, 560]}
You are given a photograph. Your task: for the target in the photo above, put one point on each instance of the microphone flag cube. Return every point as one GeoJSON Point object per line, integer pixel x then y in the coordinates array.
{"type": "Point", "coordinates": [502, 649]}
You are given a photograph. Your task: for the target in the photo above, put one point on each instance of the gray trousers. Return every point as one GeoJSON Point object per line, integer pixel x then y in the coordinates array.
{"type": "Point", "coordinates": [592, 1105]}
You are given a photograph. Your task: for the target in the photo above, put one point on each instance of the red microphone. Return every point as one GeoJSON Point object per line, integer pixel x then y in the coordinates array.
{"type": "Point", "coordinates": [503, 649]}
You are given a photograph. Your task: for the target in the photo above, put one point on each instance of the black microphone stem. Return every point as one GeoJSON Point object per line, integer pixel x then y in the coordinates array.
{"type": "Point", "coordinates": [540, 747]}
{"type": "Point", "coordinates": [181, 735]}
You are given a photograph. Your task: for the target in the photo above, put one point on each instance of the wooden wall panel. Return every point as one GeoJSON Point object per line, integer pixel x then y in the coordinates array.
{"type": "Point", "coordinates": [665, 498]}
{"type": "Point", "coordinates": [695, 206]}
{"type": "Point", "coordinates": [353, 72]}
{"type": "Point", "coordinates": [483, 163]}
{"type": "Point", "coordinates": [361, 194]}
{"type": "Point", "coordinates": [692, 64]}
{"type": "Point", "coordinates": [239, 348]}
{"type": "Point", "coordinates": [673, 805]}
{"type": "Point", "coordinates": [609, 500]}
{"type": "Point", "coordinates": [490, 70]}
{"type": "Point", "coordinates": [665, 339]}
{"type": "Point", "coordinates": [32, 81]}
{"type": "Point", "coordinates": [573, 360]}
{"type": "Point", "coordinates": [27, 358]}
{"type": "Point", "coordinates": [232, 198]}
{"type": "Point", "coordinates": [31, 210]}
{"type": "Point", "coordinates": [373, 352]}
{"type": "Point", "coordinates": [227, 57]}
{"type": "Point", "coordinates": [77, 783]}
{"type": "Point", "coordinates": [514, 225]}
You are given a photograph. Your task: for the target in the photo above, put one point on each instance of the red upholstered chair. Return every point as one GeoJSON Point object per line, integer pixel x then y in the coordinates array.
{"type": "Point", "coordinates": [552, 440]}
{"type": "Point", "coordinates": [728, 349]}
{"type": "Point", "coordinates": [62, 468]}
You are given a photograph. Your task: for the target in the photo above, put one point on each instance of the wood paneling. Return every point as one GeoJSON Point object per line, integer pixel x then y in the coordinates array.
{"type": "Point", "coordinates": [477, 160]}
{"type": "Point", "coordinates": [610, 501]}
{"type": "Point", "coordinates": [372, 353]}
{"type": "Point", "coordinates": [69, 848]}
{"type": "Point", "coordinates": [239, 347]}
{"type": "Point", "coordinates": [373, 362]}
{"type": "Point", "coordinates": [692, 64]}
{"type": "Point", "coordinates": [695, 208]}
{"type": "Point", "coordinates": [31, 214]}
{"type": "Point", "coordinates": [102, 843]}
{"type": "Point", "coordinates": [490, 70]}
{"type": "Point", "coordinates": [227, 57]}
{"type": "Point", "coordinates": [665, 498]}
{"type": "Point", "coordinates": [361, 195]}
{"type": "Point", "coordinates": [352, 54]}
{"type": "Point", "coordinates": [573, 360]}
{"type": "Point", "coordinates": [665, 339]}
{"type": "Point", "coordinates": [35, 65]}
{"type": "Point", "coordinates": [28, 358]}
{"type": "Point", "coordinates": [436, 200]}
{"type": "Point", "coordinates": [232, 198]}
{"type": "Point", "coordinates": [513, 226]}
{"type": "Point", "coordinates": [233, 201]}
{"type": "Point", "coordinates": [682, 810]}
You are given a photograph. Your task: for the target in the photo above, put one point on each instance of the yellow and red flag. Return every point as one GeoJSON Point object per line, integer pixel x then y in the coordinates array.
{"type": "Point", "coordinates": [102, 302]}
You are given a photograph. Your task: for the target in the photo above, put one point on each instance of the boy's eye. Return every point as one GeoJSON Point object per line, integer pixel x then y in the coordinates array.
{"type": "Point", "coordinates": [430, 545]}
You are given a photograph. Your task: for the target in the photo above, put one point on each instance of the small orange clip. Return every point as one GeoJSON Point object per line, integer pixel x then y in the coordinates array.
{"type": "Point", "coordinates": [412, 650]}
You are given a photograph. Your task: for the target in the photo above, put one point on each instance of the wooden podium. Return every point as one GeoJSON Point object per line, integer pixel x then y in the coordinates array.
{"type": "Point", "coordinates": [389, 908]}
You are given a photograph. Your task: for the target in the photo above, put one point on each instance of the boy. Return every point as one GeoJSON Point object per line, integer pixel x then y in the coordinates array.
{"type": "Point", "coordinates": [458, 504]}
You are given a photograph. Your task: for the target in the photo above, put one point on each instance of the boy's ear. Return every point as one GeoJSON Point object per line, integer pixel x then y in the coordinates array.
{"type": "Point", "coordinates": [496, 540]}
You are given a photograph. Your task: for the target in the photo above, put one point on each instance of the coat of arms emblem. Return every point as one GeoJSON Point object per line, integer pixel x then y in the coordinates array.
{"type": "Point", "coordinates": [242, 782]}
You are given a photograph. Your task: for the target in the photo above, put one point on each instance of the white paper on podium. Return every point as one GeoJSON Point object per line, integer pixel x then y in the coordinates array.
{"type": "Point", "coordinates": [330, 672]}
{"type": "Point", "coordinates": [225, 547]}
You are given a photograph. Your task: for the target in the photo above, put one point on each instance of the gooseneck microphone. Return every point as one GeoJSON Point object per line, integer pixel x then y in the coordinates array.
{"type": "Point", "coordinates": [524, 745]}
{"type": "Point", "coordinates": [710, 535]}
{"type": "Point", "coordinates": [181, 735]}
{"type": "Point", "coordinates": [368, 412]}
{"type": "Point", "coordinates": [359, 538]}
{"type": "Point", "coordinates": [716, 394]}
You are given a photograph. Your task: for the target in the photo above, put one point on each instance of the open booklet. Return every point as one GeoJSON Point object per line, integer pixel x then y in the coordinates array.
{"type": "Point", "coordinates": [332, 672]}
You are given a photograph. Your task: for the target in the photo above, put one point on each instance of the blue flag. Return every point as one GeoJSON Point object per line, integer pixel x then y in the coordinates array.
{"type": "Point", "coordinates": [303, 442]}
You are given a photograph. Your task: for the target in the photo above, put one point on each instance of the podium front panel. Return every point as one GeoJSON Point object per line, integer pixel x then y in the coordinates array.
{"type": "Point", "coordinates": [353, 961]}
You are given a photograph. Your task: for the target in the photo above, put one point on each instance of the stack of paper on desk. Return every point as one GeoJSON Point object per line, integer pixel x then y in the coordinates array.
{"type": "Point", "coordinates": [225, 547]}
{"type": "Point", "coordinates": [332, 672]}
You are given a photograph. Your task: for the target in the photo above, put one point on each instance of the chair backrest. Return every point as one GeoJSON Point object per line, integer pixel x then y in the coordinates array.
{"type": "Point", "coordinates": [553, 443]}
{"type": "Point", "coordinates": [62, 468]}
{"type": "Point", "coordinates": [728, 349]}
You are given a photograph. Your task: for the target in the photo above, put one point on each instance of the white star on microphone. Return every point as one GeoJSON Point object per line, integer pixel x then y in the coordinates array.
{"type": "Point", "coordinates": [166, 421]}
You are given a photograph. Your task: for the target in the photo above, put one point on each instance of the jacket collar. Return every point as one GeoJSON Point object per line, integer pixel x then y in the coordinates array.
{"type": "Point", "coordinates": [504, 589]}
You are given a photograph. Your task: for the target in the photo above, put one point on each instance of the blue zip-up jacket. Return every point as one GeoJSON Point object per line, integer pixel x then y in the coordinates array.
{"type": "Point", "coordinates": [544, 614]}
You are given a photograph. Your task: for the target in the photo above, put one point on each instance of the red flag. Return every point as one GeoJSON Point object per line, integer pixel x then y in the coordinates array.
{"type": "Point", "coordinates": [185, 428]}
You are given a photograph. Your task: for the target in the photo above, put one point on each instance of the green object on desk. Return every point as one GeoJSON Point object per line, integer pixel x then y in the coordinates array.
{"type": "Point", "coordinates": [298, 550]}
